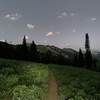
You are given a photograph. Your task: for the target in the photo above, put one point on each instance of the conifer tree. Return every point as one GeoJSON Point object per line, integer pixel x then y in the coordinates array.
{"type": "Point", "coordinates": [88, 58]}
{"type": "Point", "coordinates": [88, 55]}
{"type": "Point", "coordinates": [87, 43]}
{"type": "Point", "coordinates": [24, 49]}
{"type": "Point", "coordinates": [80, 58]}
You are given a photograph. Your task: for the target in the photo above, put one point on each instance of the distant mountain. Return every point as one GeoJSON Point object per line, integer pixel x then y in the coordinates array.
{"type": "Point", "coordinates": [69, 51]}
{"type": "Point", "coordinates": [66, 52]}
{"type": "Point", "coordinates": [96, 54]}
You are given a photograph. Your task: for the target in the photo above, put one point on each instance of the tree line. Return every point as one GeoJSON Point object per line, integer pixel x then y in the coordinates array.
{"type": "Point", "coordinates": [30, 53]}
{"type": "Point", "coordinates": [85, 59]}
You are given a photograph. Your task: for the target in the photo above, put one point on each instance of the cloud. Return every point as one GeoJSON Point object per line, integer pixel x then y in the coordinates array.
{"type": "Point", "coordinates": [93, 19]}
{"type": "Point", "coordinates": [30, 26]}
{"type": "Point", "coordinates": [12, 16]}
{"type": "Point", "coordinates": [74, 30]}
{"type": "Point", "coordinates": [52, 33]}
{"type": "Point", "coordinates": [26, 37]}
{"type": "Point", "coordinates": [63, 14]}
{"type": "Point", "coordinates": [57, 33]}
{"type": "Point", "coordinates": [72, 14]}
{"type": "Point", "coordinates": [60, 16]}
{"type": "Point", "coordinates": [3, 40]}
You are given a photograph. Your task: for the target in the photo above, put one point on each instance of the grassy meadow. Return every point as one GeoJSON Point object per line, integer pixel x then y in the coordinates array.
{"type": "Point", "coordinates": [21, 80]}
{"type": "Point", "coordinates": [77, 83]}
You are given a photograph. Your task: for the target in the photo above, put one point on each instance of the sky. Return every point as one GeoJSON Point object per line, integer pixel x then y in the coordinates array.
{"type": "Point", "coordinates": [62, 23]}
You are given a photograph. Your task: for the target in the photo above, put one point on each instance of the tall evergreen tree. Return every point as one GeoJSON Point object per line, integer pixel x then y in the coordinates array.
{"type": "Point", "coordinates": [88, 58]}
{"type": "Point", "coordinates": [24, 41]}
{"type": "Point", "coordinates": [88, 55]}
{"type": "Point", "coordinates": [87, 43]}
{"type": "Point", "coordinates": [24, 50]}
{"type": "Point", "coordinates": [80, 58]}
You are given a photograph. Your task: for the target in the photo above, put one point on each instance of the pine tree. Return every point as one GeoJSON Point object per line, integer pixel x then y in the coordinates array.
{"type": "Point", "coordinates": [88, 55]}
{"type": "Point", "coordinates": [24, 41]}
{"type": "Point", "coordinates": [24, 50]}
{"type": "Point", "coordinates": [80, 58]}
{"type": "Point", "coordinates": [87, 43]}
{"type": "Point", "coordinates": [88, 58]}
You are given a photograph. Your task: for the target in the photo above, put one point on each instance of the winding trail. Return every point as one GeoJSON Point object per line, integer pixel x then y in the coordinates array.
{"type": "Point", "coordinates": [53, 88]}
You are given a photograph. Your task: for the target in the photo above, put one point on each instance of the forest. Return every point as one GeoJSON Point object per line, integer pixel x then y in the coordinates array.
{"type": "Point", "coordinates": [29, 52]}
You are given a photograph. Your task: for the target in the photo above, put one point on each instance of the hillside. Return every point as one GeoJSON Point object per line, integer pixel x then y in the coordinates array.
{"type": "Point", "coordinates": [69, 53]}
{"type": "Point", "coordinates": [66, 52]}
{"type": "Point", "coordinates": [21, 80]}
{"type": "Point", "coordinates": [76, 83]}
{"type": "Point", "coordinates": [29, 81]}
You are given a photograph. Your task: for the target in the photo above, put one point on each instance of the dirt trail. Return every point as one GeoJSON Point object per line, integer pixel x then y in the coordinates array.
{"type": "Point", "coordinates": [52, 93]}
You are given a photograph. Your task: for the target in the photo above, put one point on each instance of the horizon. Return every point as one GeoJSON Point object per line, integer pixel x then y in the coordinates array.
{"type": "Point", "coordinates": [76, 49]}
{"type": "Point", "coordinates": [62, 23]}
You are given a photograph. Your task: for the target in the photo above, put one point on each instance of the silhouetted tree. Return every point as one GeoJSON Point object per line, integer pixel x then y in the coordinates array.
{"type": "Point", "coordinates": [24, 42]}
{"type": "Point", "coordinates": [33, 51]}
{"type": "Point", "coordinates": [87, 43]}
{"type": "Point", "coordinates": [24, 48]}
{"type": "Point", "coordinates": [80, 58]}
{"type": "Point", "coordinates": [88, 55]}
{"type": "Point", "coordinates": [88, 58]}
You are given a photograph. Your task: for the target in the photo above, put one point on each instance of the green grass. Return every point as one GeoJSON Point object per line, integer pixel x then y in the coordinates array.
{"type": "Point", "coordinates": [76, 83]}
{"type": "Point", "coordinates": [23, 80]}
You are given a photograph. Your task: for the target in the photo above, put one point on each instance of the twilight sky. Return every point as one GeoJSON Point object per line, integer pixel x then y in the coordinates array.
{"type": "Point", "coordinates": [62, 23]}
